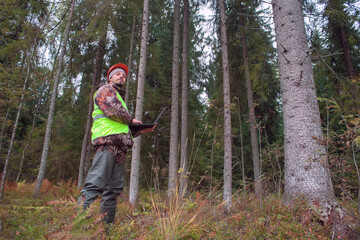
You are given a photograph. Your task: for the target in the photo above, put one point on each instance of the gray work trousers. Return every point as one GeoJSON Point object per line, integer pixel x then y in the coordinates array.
{"type": "Point", "coordinates": [105, 178]}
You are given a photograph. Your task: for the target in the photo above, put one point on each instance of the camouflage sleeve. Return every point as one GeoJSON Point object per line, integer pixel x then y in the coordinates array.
{"type": "Point", "coordinates": [106, 99]}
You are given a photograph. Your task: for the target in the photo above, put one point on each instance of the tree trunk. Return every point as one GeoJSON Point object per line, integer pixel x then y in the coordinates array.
{"type": "Point", "coordinates": [174, 125]}
{"type": "Point", "coordinates": [184, 104]}
{"type": "Point", "coordinates": [26, 146]}
{"type": "Point", "coordinates": [156, 163]}
{"type": "Point", "coordinates": [87, 163]}
{"type": "Point", "coordinates": [96, 75]}
{"type": "Point", "coordinates": [45, 151]}
{"type": "Point", "coordinates": [346, 50]}
{"type": "Point", "coordinates": [227, 112]}
{"type": "Point", "coordinates": [13, 135]}
{"type": "Point", "coordinates": [36, 42]}
{"type": "Point", "coordinates": [306, 169]}
{"type": "Point", "coordinates": [3, 127]}
{"type": "Point", "coordinates": [130, 61]}
{"type": "Point", "coordinates": [357, 172]}
{"type": "Point", "coordinates": [253, 126]}
{"type": "Point", "coordinates": [135, 163]}
{"type": "Point", "coordinates": [280, 173]}
{"type": "Point", "coordinates": [16, 121]}
{"type": "Point", "coordinates": [337, 26]}
{"type": "Point", "coordinates": [212, 152]}
{"type": "Point", "coordinates": [242, 149]}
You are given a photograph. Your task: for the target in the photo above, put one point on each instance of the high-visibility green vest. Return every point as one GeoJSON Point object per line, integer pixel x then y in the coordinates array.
{"type": "Point", "coordinates": [104, 126]}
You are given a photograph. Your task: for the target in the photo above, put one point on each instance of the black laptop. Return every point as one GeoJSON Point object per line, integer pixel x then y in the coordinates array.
{"type": "Point", "coordinates": [146, 125]}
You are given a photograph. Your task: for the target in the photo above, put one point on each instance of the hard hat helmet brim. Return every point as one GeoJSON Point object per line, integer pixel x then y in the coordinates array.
{"type": "Point", "coordinates": [119, 65]}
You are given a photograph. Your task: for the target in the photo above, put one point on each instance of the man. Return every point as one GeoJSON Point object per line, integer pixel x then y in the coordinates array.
{"type": "Point", "coordinates": [111, 138]}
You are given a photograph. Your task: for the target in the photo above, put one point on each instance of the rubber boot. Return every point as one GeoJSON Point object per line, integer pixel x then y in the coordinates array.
{"type": "Point", "coordinates": [108, 214]}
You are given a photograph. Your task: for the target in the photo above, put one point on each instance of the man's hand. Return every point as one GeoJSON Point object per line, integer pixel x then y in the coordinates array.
{"type": "Point", "coordinates": [147, 130]}
{"type": "Point", "coordinates": [135, 121]}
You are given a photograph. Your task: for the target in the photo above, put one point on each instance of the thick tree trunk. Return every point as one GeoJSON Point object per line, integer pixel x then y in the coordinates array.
{"type": "Point", "coordinates": [306, 169]}
{"type": "Point", "coordinates": [130, 61]}
{"type": "Point", "coordinates": [45, 151]}
{"type": "Point", "coordinates": [307, 172]}
{"type": "Point", "coordinates": [227, 113]}
{"type": "Point", "coordinates": [184, 104]}
{"type": "Point", "coordinates": [96, 76]}
{"type": "Point", "coordinates": [135, 163]}
{"type": "Point", "coordinates": [174, 125]}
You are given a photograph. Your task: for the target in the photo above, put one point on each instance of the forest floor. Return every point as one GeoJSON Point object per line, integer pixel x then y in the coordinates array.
{"type": "Point", "coordinates": [56, 215]}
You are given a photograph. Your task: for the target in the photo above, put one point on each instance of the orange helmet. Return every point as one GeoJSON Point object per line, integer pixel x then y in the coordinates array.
{"type": "Point", "coordinates": [119, 65]}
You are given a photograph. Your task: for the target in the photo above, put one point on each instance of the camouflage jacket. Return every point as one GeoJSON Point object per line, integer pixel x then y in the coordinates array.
{"type": "Point", "coordinates": [117, 144]}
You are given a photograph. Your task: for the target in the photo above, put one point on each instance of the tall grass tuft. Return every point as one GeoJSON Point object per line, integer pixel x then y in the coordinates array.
{"type": "Point", "coordinates": [179, 218]}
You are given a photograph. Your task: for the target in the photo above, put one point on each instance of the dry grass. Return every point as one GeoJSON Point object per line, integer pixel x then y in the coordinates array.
{"type": "Point", "coordinates": [56, 215]}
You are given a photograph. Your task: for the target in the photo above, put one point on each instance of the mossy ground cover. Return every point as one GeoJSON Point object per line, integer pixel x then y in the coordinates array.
{"type": "Point", "coordinates": [56, 215]}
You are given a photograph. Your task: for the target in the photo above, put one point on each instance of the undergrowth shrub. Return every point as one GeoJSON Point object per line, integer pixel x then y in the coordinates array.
{"type": "Point", "coordinates": [56, 215]}
{"type": "Point", "coordinates": [270, 219]}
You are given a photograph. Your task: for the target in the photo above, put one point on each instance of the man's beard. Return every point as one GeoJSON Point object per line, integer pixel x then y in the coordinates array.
{"type": "Point", "coordinates": [120, 85]}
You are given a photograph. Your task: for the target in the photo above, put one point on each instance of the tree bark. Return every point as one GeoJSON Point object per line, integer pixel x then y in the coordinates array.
{"type": "Point", "coordinates": [156, 163]}
{"type": "Point", "coordinates": [174, 125]}
{"type": "Point", "coordinates": [184, 103]}
{"type": "Point", "coordinates": [45, 151]}
{"type": "Point", "coordinates": [306, 170]}
{"type": "Point", "coordinates": [96, 76]}
{"type": "Point", "coordinates": [130, 61]}
{"type": "Point", "coordinates": [346, 49]}
{"type": "Point", "coordinates": [135, 163]}
{"type": "Point", "coordinates": [280, 173]}
{"type": "Point", "coordinates": [212, 151]}
{"type": "Point", "coordinates": [3, 127]}
{"type": "Point", "coordinates": [242, 149]}
{"type": "Point", "coordinates": [251, 107]}
{"type": "Point", "coordinates": [227, 113]}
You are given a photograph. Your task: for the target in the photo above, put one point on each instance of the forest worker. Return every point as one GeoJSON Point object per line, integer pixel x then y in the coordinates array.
{"type": "Point", "coordinates": [111, 138]}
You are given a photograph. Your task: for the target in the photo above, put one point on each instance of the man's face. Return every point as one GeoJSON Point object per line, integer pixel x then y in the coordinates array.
{"type": "Point", "coordinates": [118, 77]}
